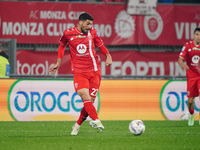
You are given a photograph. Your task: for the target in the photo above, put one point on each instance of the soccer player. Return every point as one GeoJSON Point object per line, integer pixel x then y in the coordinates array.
{"type": "Point", "coordinates": [85, 66]}
{"type": "Point", "coordinates": [191, 53]}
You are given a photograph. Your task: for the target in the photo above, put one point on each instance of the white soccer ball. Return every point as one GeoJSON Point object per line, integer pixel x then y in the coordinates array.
{"type": "Point", "coordinates": [136, 127]}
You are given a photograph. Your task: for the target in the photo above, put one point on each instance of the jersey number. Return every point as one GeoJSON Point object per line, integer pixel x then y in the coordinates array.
{"type": "Point", "coordinates": [94, 92]}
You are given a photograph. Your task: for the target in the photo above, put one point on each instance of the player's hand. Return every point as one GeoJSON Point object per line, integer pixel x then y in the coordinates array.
{"type": "Point", "coordinates": [53, 69]}
{"type": "Point", "coordinates": [185, 67]}
{"type": "Point", "coordinates": [108, 60]}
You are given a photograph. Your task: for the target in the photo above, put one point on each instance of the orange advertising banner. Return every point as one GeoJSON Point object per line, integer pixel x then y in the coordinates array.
{"type": "Point", "coordinates": [117, 100]}
{"type": "Point", "coordinates": [5, 85]}
{"type": "Point", "coordinates": [131, 99]}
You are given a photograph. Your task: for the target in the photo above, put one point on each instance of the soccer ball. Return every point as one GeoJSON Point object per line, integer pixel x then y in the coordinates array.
{"type": "Point", "coordinates": [136, 127]}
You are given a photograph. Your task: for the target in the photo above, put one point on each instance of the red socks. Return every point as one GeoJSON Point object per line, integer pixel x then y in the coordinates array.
{"type": "Point", "coordinates": [90, 109]}
{"type": "Point", "coordinates": [191, 111]}
{"type": "Point", "coordinates": [82, 117]}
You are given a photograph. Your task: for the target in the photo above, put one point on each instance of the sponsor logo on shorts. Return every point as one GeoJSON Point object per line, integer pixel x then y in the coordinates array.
{"type": "Point", "coordinates": [76, 85]}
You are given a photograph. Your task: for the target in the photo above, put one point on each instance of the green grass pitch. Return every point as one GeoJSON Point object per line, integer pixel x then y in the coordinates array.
{"type": "Point", "coordinates": [159, 135]}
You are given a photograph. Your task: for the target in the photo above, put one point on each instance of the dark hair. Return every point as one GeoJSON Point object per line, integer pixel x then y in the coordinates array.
{"type": "Point", "coordinates": [85, 16]}
{"type": "Point", "coordinates": [1, 46]}
{"type": "Point", "coordinates": [197, 29]}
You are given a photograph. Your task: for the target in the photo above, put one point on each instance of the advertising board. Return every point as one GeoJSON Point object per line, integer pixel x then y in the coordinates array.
{"type": "Point", "coordinates": [55, 100]}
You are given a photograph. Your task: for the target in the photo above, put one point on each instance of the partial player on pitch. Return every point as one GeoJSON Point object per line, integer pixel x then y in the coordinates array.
{"type": "Point", "coordinates": [191, 54]}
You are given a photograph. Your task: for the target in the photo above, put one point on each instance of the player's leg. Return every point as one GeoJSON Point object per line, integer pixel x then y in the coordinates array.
{"type": "Point", "coordinates": [192, 92]}
{"type": "Point", "coordinates": [96, 123]}
{"type": "Point", "coordinates": [89, 107]}
{"type": "Point", "coordinates": [83, 114]}
{"type": "Point", "coordinates": [80, 81]}
{"type": "Point", "coordinates": [199, 110]}
{"type": "Point", "coordinates": [191, 111]}
{"type": "Point", "coordinates": [81, 84]}
{"type": "Point", "coordinates": [199, 98]}
{"type": "Point", "coordinates": [191, 105]}
{"type": "Point", "coordinates": [94, 87]}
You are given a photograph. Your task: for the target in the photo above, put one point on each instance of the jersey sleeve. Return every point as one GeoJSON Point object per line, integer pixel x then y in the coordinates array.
{"type": "Point", "coordinates": [184, 51]}
{"type": "Point", "coordinates": [104, 50]}
{"type": "Point", "coordinates": [61, 50]}
{"type": "Point", "coordinates": [97, 38]}
{"type": "Point", "coordinates": [63, 39]}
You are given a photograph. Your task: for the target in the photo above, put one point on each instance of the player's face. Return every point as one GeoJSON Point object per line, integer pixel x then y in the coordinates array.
{"type": "Point", "coordinates": [197, 37]}
{"type": "Point", "coordinates": [85, 26]}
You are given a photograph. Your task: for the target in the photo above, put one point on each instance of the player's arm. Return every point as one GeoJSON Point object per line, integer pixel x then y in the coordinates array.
{"type": "Point", "coordinates": [181, 63]}
{"type": "Point", "coordinates": [99, 43]}
{"type": "Point", "coordinates": [55, 67]}
{"type": "Point", "coordinates": [105, 51]}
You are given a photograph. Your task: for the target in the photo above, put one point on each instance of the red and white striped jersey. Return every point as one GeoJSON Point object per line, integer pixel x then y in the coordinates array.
{"type": "Point", "coordinates": [82, 49]}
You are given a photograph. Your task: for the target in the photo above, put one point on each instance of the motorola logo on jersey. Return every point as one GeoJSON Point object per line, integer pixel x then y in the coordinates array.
{"type": "Point", "coordinates": [195, 59]}
{"type": "Point", "coordinates": [81, 48]}
{"type": "Point", "coordinates": [32, 100]}
{"type": "Point", "coordinates": [153, 26]}
{"type": "Point", "coordinates": [173, 100]}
